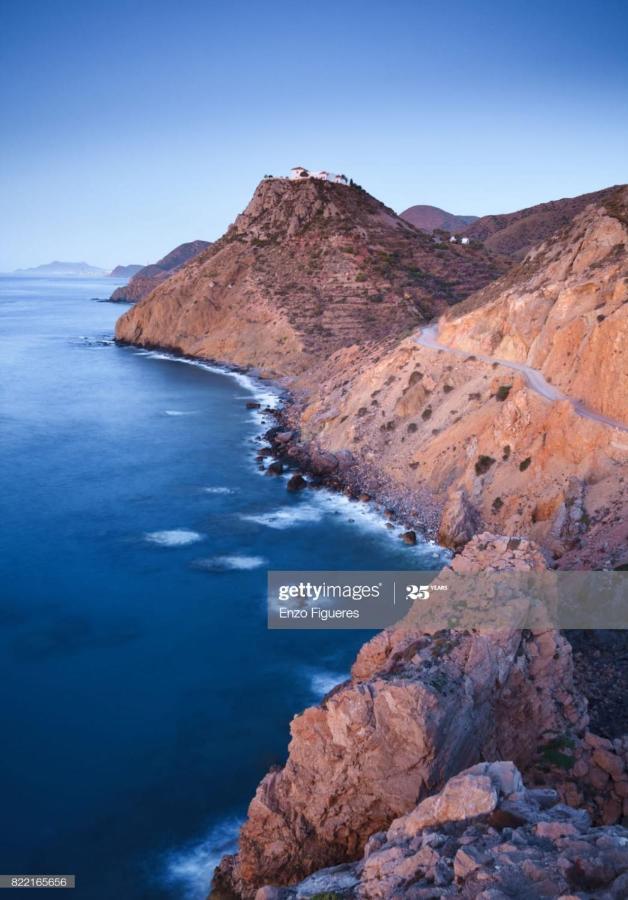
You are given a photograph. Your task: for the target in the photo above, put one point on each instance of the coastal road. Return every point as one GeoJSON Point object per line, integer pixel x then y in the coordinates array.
{"type": "Point", "coordinates": [427, 337]}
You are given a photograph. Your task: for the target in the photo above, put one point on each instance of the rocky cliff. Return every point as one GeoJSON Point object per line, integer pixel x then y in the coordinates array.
{"type": "Point", "coordinates": [418, 709]}
{"type": "Point", "coordinates": [309, 267]}
{"type": "Point", "coordinates": [147, 278]}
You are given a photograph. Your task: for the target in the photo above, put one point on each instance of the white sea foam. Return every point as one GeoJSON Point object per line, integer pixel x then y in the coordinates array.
{"type": "Point", "coordinates": [322, 682]}
{"type": "Point", "coordinates": [264, 393]}
{"type": "Point", "coordinates": [233, 562]}
{"type": "Point", "coordinates": [190, 869]}
{"type": "Point", "coordinates": [177, 537]}
{"type": "Point", "coordinates": [287, 516]}
{"type": "Point", "coordinates": [218, 489]}
{"type": "Point", "coordinates": [180, 412]}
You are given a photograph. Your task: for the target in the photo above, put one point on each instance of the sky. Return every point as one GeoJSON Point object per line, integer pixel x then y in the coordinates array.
{"type": "Point", "coordinates": [130, 126]}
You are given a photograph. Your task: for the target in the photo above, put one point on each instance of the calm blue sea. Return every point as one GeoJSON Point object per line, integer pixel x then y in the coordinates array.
{"type": "Point", "coordinates": [141, 696]}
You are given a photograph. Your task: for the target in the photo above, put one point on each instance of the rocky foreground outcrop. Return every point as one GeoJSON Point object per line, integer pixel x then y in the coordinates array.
{"type": "Point", "coordinates": [418, 709]}
{"type": "Point", "coordinates": [485, 835]}
{"type": "Point", "coordinates": [146, 278]}
{"type": "Point", "coordinates": [308, 267]}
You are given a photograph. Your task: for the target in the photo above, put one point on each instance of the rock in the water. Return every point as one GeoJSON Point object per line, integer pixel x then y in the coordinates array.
{"type": "Point", "coordinates": [296, 483]}
{"type": "Point", "coordinates": [409, 537]}
{"type": "Point", "coordinates": [275, 468]}
{"type": "Point", "coordinates": [253, 404]}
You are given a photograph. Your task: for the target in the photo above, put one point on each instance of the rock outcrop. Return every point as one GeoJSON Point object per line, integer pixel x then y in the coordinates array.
{"type": "Point", "coordinates": [485, 835]}
{"type": "Point", "coordinates": [146, 278]}
{"type": "Point", "coordinates": [418, 709]}
{"type": "Point", "coordinates": [309, 267]}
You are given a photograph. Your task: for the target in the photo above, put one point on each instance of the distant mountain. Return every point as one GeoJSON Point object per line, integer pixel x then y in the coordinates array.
{"type": "Point", "coordinates": [65, 269]}
{"type": "Point", "coordinates": [513, 234]}
{"type": "Point", "coordinates": [125, 271]}
{"type": "Point", "coordinates": [148, 277]}
{"type": "Point", "coordinates": [429, 218]}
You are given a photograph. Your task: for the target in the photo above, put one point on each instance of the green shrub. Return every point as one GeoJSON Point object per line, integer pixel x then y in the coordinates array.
{"type": "Point", "coordinates": [427, 412]}
{"type": "Point", "coordinates": [525, 463]}
{"type": "Point", "coordinates": [502, 392]}
{"type": "Point", "coordinates": [412, 427]}
{"type": "Point", "coordinates": [448, 388]}
{"type": "Point", "coordinates": [483, 464]}
{"type": "Point", "coordinates": [506, 453]}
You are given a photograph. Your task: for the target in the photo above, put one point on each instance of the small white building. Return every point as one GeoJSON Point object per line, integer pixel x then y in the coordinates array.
{"type": "Point", "coordinates": [464, 240]}
{"type": "Point", "coordinates": [298, 172]}
{"type": "Point", "coordinates": [341, 179]}
{"type": "Point", "coordinates": [322, 176]}
{"type": "Point", "coordinates": [453, 239]}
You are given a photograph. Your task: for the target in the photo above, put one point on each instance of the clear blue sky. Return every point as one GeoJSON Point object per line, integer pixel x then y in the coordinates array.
{"type": "Point", "coordinates": [129, 126]}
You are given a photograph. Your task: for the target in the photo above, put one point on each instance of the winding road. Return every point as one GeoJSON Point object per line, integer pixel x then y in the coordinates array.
{"type": "Point", "coordinates": [427, 337]}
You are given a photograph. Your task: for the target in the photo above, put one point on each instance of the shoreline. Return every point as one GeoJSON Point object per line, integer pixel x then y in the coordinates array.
{"type": "Point", "coordinates": [350, 477]}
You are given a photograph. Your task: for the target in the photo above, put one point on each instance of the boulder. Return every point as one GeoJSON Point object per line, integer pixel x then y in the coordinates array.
{"type": "Point", "coordinates": [296, 482]}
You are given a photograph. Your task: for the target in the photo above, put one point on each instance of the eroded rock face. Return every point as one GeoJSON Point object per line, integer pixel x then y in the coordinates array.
{"type": "Point", "coordinates": [563, 311]}
{"type": "Point", "coordinates": [459, 521]}
{"type": "Point", "coordinates": [483, 836]}
{"type": "Point", "coordinates": [417, 710]}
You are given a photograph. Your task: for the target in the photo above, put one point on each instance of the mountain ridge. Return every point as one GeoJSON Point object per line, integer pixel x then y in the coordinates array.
{"type": "Point", "coordinates": [433, 218]}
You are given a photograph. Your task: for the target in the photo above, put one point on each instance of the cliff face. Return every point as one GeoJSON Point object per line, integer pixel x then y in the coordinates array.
{"type": "Point", "coordinates": [514, 234]}
{"type": "Point", "coordinates": [417, 710]}
{"type": "Point", "coordinates": [146, 278]}
{"type": "Point", "coordinates": [306, 269]}
{"type": "Point", "coordinates": [563, 311]}
{"type": "Point", "coordinates": [492, 450]}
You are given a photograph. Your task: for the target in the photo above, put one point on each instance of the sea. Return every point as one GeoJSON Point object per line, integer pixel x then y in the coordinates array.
{"type": "Point", "coordinates": [142, 696]}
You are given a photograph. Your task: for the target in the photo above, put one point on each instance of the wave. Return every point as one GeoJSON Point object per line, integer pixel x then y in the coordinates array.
{"type": "Point", "coordinates": [323, 682]}
{"type": "Point", "coordinates": [286, 517]}
{"type": "Point", "coordinates": [268, 395]}
{"type": "Point", "coordinates": [190, 869]}
{"type": "Point", "coordinates": [218, 490]}
{"type": "Point", "coordinates": [230, 563]}
{"type": "Point", "coordinates": [180, 412]}
{"type": "Point", "coordinates": [176, 537]}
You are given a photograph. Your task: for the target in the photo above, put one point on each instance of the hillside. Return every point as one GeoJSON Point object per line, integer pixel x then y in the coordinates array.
{"type": "Point", "coordinates": [307, 268]}
{"type": "Point", "coordinates": [125, 271]}
{"type": "Point", "coordinates": [474, 436]}
{"type": "Point", "coordinates": [514, 234]}
{"type": "Point", "coordinates": [429, 218]}
{"type": "Point", "coordinates": [147, 278]}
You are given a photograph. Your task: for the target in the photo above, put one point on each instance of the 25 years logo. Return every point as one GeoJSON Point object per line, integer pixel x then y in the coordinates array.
{"type": "Point", "coordinates": [418, 592]}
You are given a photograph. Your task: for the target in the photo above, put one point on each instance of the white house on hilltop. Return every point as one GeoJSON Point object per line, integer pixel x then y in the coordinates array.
{"type": "Point", "coordinates": [298, 173]}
